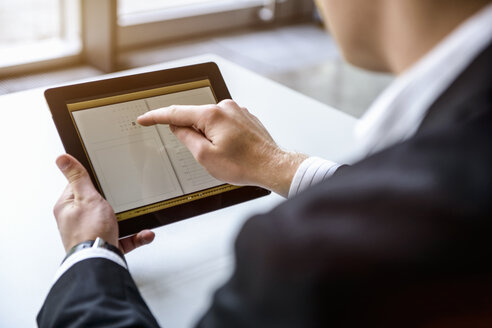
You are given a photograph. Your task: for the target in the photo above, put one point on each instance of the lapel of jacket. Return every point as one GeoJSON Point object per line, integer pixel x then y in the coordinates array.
{"type": "Point", "coordinates": [469, 96]}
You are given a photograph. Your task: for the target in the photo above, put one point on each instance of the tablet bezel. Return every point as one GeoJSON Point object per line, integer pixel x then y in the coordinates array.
{"type": "Point", "coordinates": [58, 98]}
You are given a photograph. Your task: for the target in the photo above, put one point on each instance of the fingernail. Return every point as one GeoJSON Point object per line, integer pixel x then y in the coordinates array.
{"type": "Point", "coordinates": [140, 240]}
{"type": "Point", "coordinates": [63, 163]}
{"type": "Point", "coordinates": [144, 115]}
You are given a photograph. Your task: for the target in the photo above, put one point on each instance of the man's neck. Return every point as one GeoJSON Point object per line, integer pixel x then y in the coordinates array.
{"type": "Point", "coordinates": [413, 28]}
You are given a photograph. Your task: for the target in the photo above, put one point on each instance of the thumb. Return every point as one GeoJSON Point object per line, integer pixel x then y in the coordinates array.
{"type": "Point", "coordinates": [196, 142]}
{"type": "Point", "coordinates": [77, 176]}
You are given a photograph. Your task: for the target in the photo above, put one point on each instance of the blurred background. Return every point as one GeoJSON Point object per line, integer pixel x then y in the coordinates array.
{"type": "Point", "coordinates": [46, 42]}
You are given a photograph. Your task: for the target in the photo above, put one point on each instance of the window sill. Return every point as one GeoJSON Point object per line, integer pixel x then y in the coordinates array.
{"type": "Point", "coordinates": [38, 55]}
{"type": "Point", "coordinates": [186, 12]}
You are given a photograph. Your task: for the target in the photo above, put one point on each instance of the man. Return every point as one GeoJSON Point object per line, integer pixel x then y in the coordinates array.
{"type": "Point", "coordinates": [400, 239]}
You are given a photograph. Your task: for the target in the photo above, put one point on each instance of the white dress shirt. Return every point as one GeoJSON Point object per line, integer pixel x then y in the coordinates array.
{"type": "Point", "coordinates": [394, 117]}
{"type": "Point", "coordinates": [398, 112]}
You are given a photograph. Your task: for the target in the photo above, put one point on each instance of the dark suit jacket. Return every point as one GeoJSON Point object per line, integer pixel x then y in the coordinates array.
{"type": "Point", "coordinates": [401, 239]}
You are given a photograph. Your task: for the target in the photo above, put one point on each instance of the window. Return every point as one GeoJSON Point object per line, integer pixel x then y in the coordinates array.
{"type": "Point", "coordinates": [41, 34]}
{"type": "Point", "coordinates": [38, 31]}
{"type": "Point", "coordinates": [150, 21]}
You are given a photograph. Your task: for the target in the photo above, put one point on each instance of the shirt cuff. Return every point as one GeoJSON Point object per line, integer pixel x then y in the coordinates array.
{"type": "Point", "coordinates": [85, 254]}
{"type": "Point", "coordinates": [312, 171]}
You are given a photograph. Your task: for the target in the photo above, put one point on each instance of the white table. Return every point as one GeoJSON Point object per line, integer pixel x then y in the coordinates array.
{"type": "Point", "coordinates": [188, 260]}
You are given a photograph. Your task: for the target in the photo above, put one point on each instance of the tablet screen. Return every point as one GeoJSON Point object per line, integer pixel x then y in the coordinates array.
{"type": "Point", "coordinates": [140, 169]}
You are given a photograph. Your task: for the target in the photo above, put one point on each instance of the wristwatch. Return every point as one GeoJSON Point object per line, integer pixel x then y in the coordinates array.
{"type": "Point", "coordinates": [98, 243]}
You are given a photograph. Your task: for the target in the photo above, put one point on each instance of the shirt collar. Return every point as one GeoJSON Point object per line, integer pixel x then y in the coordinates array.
{"type": "Point", "coordinates": [398, 112]}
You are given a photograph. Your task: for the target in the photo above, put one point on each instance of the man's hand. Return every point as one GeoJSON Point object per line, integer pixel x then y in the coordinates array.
{"type": "Point", "coordinates": [82, 214]}
{"type": "Point", "coordinates": [230, 143]}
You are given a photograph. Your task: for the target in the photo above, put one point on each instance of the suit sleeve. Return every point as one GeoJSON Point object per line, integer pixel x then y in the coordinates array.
{"type": "Point", "coordinates": [398, 240]}
{"type": "Point", "coordinates": [95, 293]}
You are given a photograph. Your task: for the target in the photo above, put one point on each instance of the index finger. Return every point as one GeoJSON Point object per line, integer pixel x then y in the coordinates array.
{"type": "Point", "coordinates": [174, 115]}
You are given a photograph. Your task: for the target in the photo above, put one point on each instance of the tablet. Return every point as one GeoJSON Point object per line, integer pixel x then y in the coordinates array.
{"type": "Point", "coordinates": [145, 173]}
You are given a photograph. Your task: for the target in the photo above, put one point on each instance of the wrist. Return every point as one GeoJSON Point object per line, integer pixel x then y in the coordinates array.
{"type": "Point", "coordinates": [97, 243]}
{"type": "Point", "coordinates": [281, 171]}
{"type": "Point", "coordinates": [70, 240]}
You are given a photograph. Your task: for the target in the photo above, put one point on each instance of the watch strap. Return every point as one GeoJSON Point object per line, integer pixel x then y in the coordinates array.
{"type": "Point", "coordinates": [98, 243]}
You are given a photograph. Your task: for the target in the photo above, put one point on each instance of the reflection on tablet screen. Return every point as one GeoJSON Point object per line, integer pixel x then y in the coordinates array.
{"type": "Point", "coordinates": [139, 169]}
